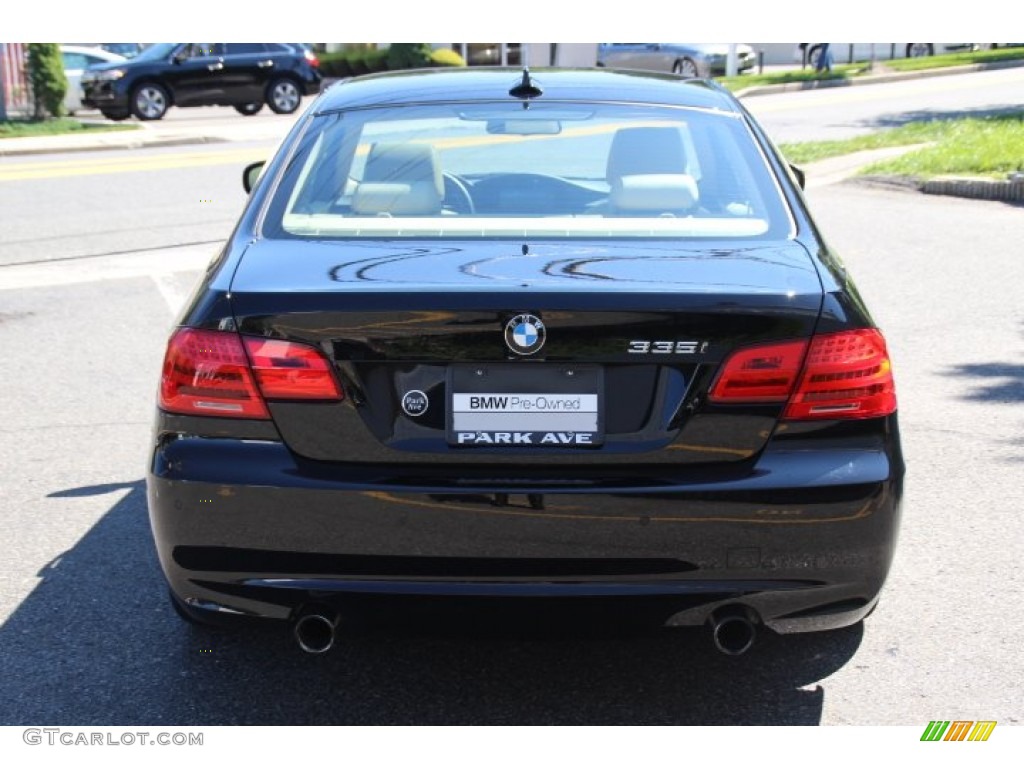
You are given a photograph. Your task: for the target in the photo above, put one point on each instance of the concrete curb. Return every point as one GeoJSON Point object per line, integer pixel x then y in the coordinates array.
{"type": "Point", "coordinates": [889, 77]}
{"type": "Point", "coordinates": [996, 190]}
{"type": "Point", "coordinates": [1009, 190]}
{"type": "Point", "coordinates": [137, 143]}
{"type": "Point", "coordinates": [832, 170]}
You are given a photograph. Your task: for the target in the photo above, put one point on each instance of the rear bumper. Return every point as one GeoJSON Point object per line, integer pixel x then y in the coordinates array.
{"type": "Point", "coordinates": [805, 538]}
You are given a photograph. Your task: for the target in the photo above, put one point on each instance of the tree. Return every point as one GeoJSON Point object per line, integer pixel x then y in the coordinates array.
{"type": "Point", "coordinates": [46, 76]}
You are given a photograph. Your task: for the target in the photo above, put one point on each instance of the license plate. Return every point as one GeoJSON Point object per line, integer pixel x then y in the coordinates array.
{"type": "Point", "coordinates": [526, 404]}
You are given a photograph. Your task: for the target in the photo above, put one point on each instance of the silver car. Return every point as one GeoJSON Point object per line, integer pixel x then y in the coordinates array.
{"type": "Point", "coordinates": [77, 59]}
{"type": "Point", "coordinates": [687, 59]}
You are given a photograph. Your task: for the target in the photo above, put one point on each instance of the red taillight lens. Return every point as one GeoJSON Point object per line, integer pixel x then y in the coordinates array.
{"type": "Point", "coordinates": [289, 371]}
{"type": "Point", "coordinates": [312, 59]}
{"type": "Point", "coordinates": [209, 373]}
{"type": "Point", "coordinates": [206, 373]}
{"type": "Point", "coordinates": [847, 376]}
{"type": "Point", "coordinates": [764, 374]}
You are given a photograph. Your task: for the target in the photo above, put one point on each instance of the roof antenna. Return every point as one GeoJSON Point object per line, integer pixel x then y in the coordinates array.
{"type": "Point", "coordinates": [526, 88]}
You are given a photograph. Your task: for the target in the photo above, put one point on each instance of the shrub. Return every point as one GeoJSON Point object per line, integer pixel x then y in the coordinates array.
{"type": "Point", "coordinates": [334, 64]}
{"type": "Point", "coordinates": [363, 61]}
{"type": "Point", "coordinates": [46, 76]}
{"type": "Point", "coordinates": [446, 57]}
{"type": "Point", "coordinates": [375, 60]}
{"type": "Point", "coordinates": [353, 62]}
{"type": "Point", "coordinates": [408, 55]}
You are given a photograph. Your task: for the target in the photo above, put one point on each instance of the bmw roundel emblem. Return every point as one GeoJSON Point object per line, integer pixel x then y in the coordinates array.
{"type": "Point", "coordinates": [525, 334]}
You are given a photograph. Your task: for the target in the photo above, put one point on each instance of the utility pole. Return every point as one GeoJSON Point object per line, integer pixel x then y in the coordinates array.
{"type": "Point", "coordinates": [731, 61]}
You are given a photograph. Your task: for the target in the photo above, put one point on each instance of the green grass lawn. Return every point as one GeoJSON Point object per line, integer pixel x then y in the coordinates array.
{"type": "Point", "coordinates": [10, 129]}
{"type": "Point", "coordinates": [839, 72]}
{"type": "Point", "coordinates": [955, 59]}
{"type": "Point", "coordinates": [857, 69]}
{"type": "Point", "coordinates": [977, 146]}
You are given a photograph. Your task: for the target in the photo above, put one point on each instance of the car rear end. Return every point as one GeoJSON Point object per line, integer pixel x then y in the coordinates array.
{"type": "Point", "coordinates": [304, 63]}
{"type": "Point", "coordinates": [561, 392]}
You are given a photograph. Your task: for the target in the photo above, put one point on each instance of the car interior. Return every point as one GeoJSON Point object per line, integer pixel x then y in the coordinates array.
{"type": "Point", "coordinates": [680, 170]}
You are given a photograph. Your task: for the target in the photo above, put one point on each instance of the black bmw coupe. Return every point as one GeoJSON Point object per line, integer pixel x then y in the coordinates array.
{"type": "Point", "coordinates": [512, 335]}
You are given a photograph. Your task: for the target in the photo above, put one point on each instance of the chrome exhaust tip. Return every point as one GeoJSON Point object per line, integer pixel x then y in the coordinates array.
{"type": "Point", "coordinates": [733, 629]}
{"type": "Point", "coordinates": [314, 632]}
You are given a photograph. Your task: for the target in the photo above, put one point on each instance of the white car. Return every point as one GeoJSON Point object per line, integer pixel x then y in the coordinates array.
{"type": "Point", "coordinates": [77, 59]}
{"type": "Point", "coordinates": [686, 59]}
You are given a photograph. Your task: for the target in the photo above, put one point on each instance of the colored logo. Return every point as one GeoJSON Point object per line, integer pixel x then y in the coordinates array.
{"type": "Point", "coordinates": [525, 334]}
{"type": "Point", "coordinates": [958, 730]}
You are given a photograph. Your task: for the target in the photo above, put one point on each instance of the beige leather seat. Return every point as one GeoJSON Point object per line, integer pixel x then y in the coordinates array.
{"type": "Point", "coordinates": [647, 173]}
{"type": "Point", "coordinates": [400, 180]}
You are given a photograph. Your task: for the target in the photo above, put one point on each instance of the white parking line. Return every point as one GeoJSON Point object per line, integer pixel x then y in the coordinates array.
{"type": "Point", "coordinates": [172, 291]}
{"type": "Point", "coordinates": [157, 264]}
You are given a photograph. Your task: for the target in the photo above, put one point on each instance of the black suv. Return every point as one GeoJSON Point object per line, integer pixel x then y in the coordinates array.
{"type": "Point", "coordinates": [242, 75]}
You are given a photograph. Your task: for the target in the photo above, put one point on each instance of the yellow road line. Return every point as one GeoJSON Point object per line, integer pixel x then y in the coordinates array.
{"type": "Point", "coordinates": [52, 169]}
{"type": "Point", "coordinates": [127, 159]}
{"type": "Point", "coordinates": [58, 169]}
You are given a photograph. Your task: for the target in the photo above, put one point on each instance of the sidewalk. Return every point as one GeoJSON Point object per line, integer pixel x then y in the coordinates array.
{"type": "Point", "coordinates": [163, 134]}
{"type": "Point", "coordinates": [86, 142]}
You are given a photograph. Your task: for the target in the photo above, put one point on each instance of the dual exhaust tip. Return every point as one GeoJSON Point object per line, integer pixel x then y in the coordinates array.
{"type": "Point", "coordinates": [733, 629]}
{"type": "Point", "coordinates": [315, 630]}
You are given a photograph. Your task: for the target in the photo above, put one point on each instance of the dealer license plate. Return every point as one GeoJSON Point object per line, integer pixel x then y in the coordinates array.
{"type": "Point", "coordinates": [526, 404]}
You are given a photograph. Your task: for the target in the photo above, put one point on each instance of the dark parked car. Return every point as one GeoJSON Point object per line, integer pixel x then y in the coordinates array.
{"type": "Point", "coordinates": [571, 334]}
{"type": "Point", "coordinates": [242, 75]}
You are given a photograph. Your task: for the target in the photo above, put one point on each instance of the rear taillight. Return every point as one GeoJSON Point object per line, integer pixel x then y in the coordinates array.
{"type": "Point", "coordinates": [764, 374]}
{"type": "Point", "coordinates": [208, 373]}
{"type": "Point", "coordinates": [312, 59]}
{"type": "Point", "coordinates": [288, 371]}
{"type": "Point", "coordinates": [844, 375]}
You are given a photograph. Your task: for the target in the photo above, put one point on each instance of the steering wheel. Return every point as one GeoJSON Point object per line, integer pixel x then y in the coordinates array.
{"type": "Point", "coordinates": [456, 194]}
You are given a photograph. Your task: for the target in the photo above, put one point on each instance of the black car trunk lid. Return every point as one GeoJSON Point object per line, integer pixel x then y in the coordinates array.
{"type": "Point", "coordinates": [491, 352]}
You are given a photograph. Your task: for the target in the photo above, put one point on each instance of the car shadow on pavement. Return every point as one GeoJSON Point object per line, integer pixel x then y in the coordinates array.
{"type": "Point", "coordinates": [999, 382]}
{"type": "Point", "coordinates": [895, 119]}
{"type": "Point", "coordinates": [96, 642]}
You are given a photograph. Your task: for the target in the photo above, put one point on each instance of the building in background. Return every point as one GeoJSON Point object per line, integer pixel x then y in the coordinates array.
{"type": "Point", "coordinates": [525, 54]}
{"type": "Point", "coordinates": [15, 98]}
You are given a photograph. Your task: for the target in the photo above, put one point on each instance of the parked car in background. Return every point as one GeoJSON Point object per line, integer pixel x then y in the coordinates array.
{"type": "Point", "coordinates": [306, 49]}
{"type": "Point", "coordinates": [686, 59]}
{"type": "Point", "coordinates": [128, 50]}
{"type": "Point", "coordinates": [596, 348]}
{"type": "Point", "coordinates": [242, 75]}
{"type": "Point", "coordinates": [77, 59]}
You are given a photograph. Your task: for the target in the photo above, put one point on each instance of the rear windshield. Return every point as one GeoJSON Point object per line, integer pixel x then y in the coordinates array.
{"type": "Point", "coordinates": [501, 170]}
